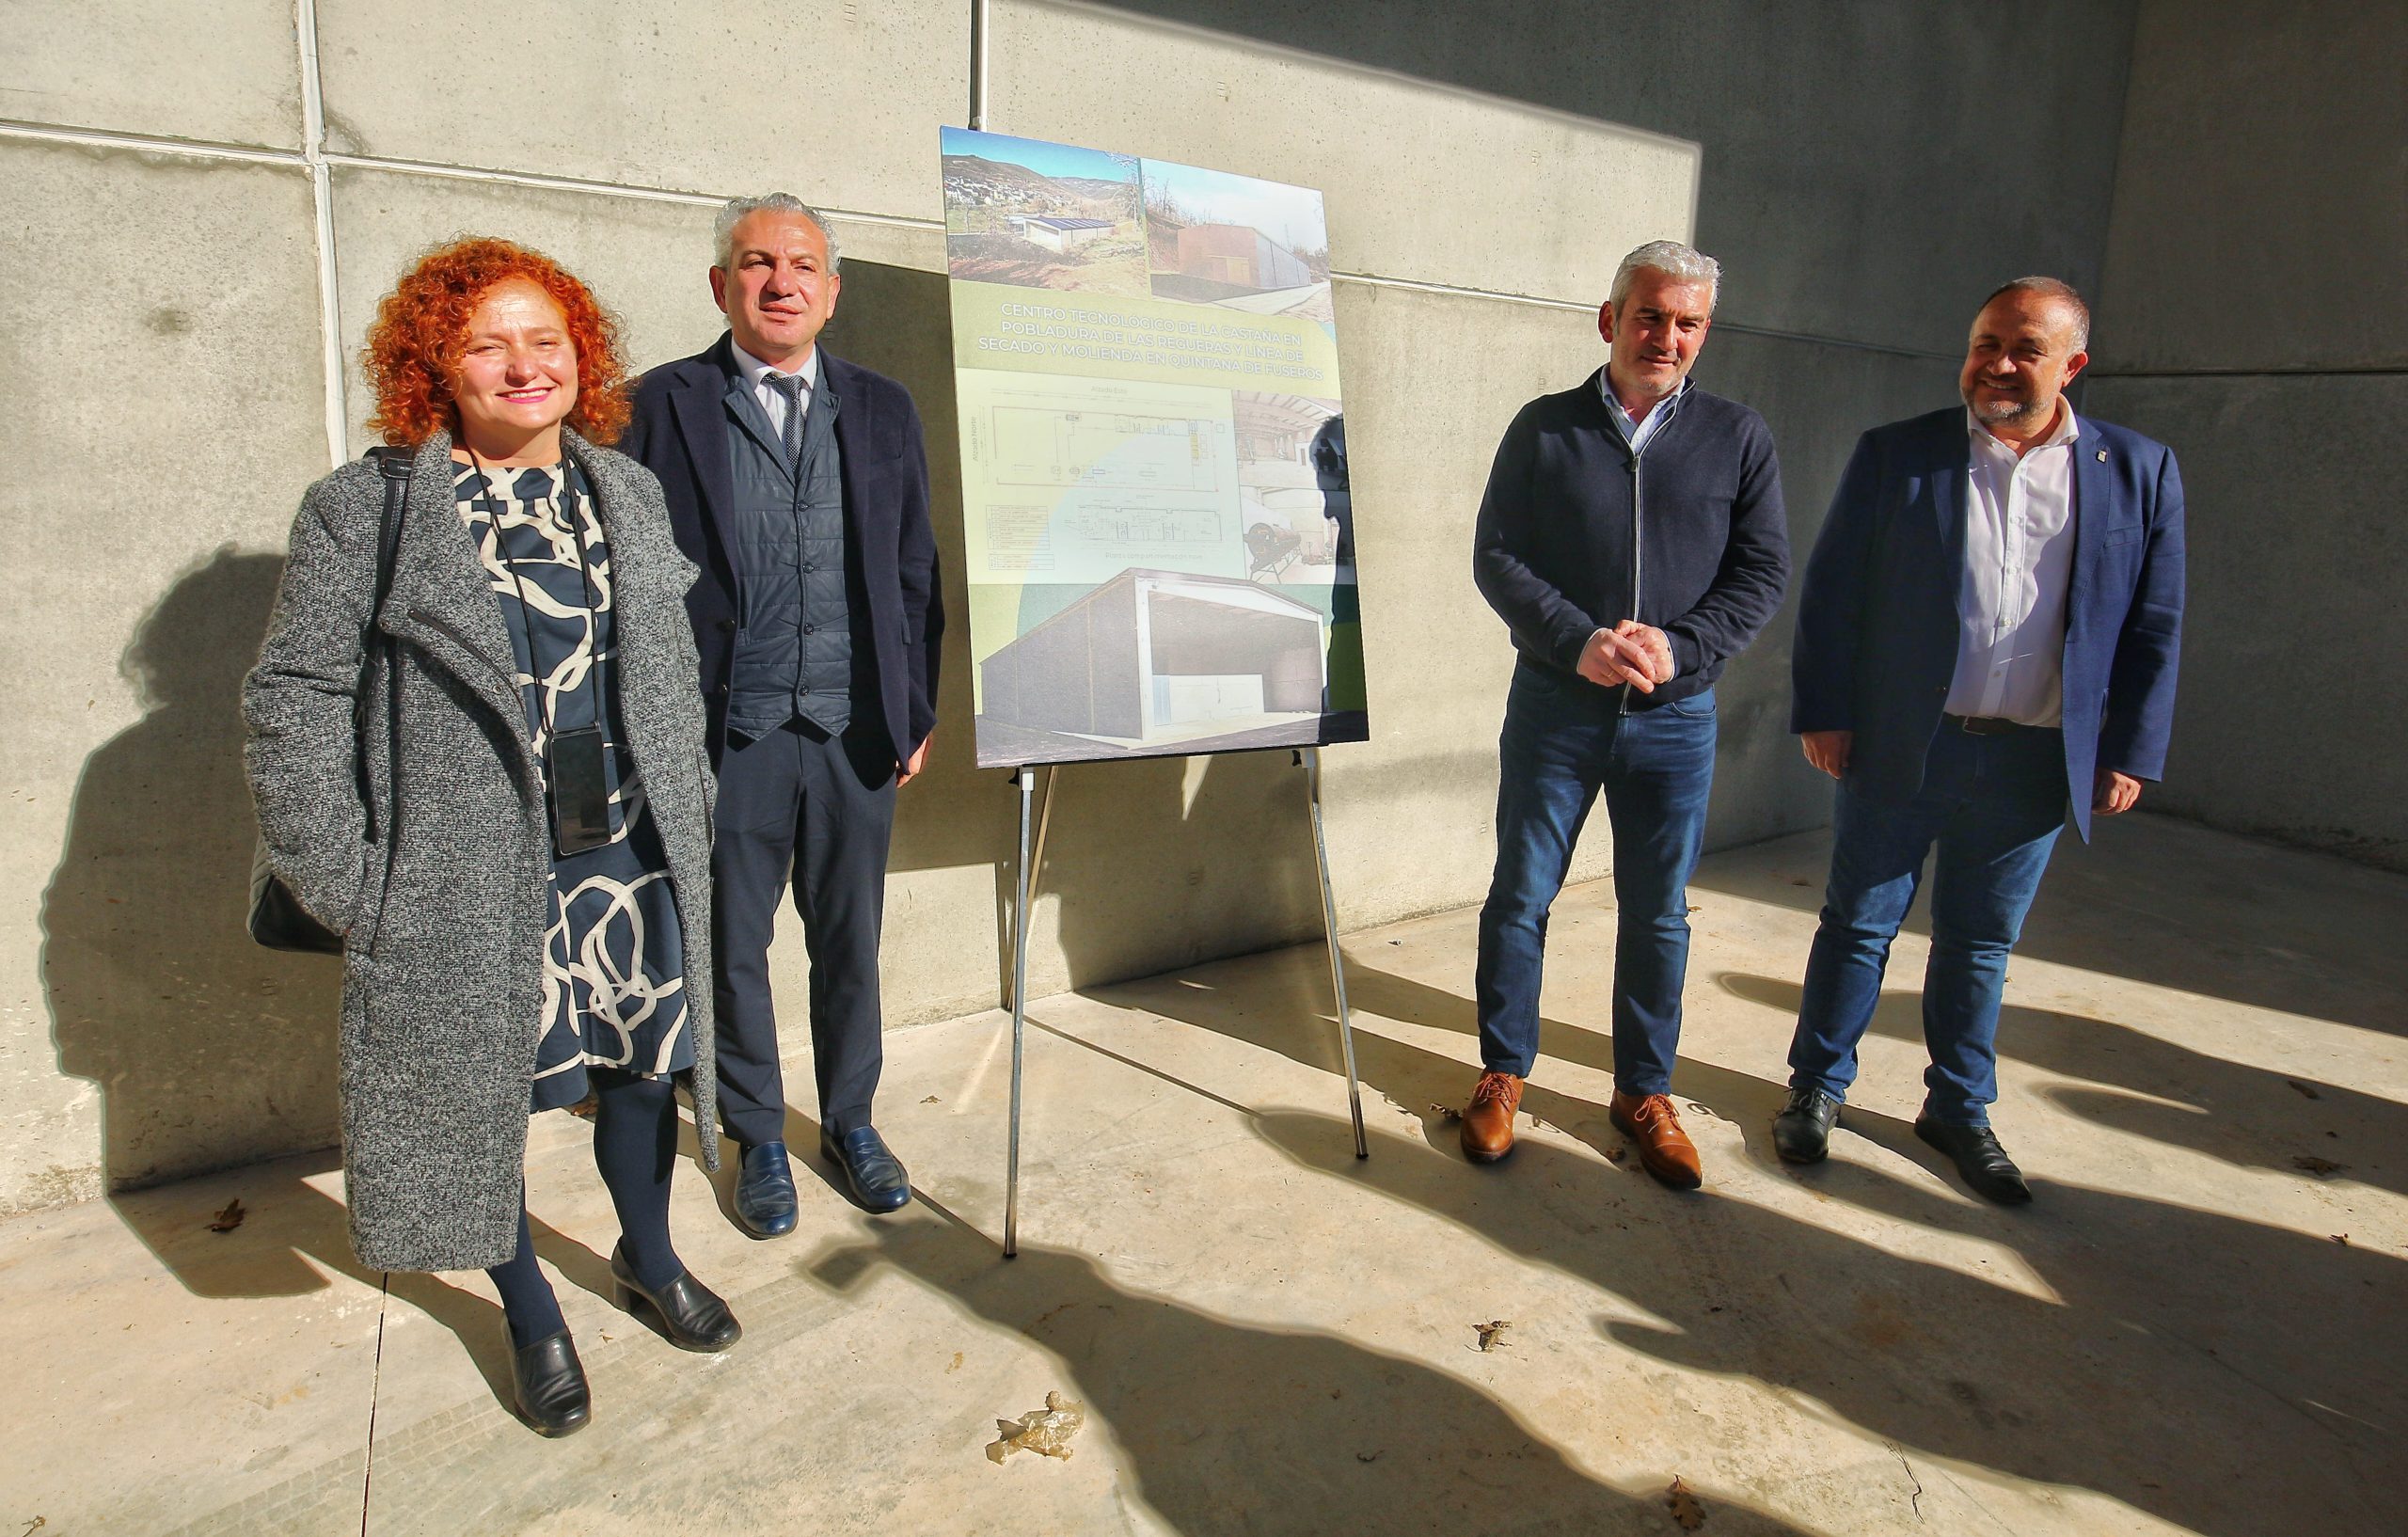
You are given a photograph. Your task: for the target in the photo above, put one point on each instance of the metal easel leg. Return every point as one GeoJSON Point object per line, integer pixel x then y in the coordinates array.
{"type": "Point", "coordinates": [1026, 779]}
{"type": "Point", "coordinates": [1310, 758]}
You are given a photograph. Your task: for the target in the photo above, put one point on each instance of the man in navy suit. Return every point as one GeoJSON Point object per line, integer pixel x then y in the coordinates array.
{"type": "Point", "coordinates": [1987, 632]}
{"type": "Point", "coordinates": [797, 481]}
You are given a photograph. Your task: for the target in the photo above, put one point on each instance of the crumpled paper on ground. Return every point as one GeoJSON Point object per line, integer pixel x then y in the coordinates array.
{"type": "Point", "coordinates": [1046, 1432]}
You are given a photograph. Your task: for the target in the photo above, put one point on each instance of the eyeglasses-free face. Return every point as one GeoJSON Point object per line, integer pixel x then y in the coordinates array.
{"type": "Point", "coordinates": [516, 381]}
{"type": "Point", "coordinates": [778, 288]}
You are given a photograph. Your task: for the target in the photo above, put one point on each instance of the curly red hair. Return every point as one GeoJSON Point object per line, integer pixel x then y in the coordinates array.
{"type": "Point", "coordinates": [422, 331]}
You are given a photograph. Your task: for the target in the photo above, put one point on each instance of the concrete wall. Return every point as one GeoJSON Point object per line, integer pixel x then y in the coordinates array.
{"type": "Point", "coordinates": [1869, 171]}
{"type": "Point", "coordinates": [208, 205]}
{"type": "Point", "coordinates": [2254, 317]}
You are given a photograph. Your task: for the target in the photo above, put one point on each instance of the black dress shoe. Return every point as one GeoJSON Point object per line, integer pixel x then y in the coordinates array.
{"type": "Point", "coordinates": [1978, 1157]}
{"type": "Point", "coordinates": [548, 1382]}
{"type": "Point", "coordinates": [873, 1176]}
{"type": "Point", "coordinates": [689, 1313]}
{"type": "Point", "coordinates": [1802, 1133]}
{"type": "Point", "coordinates": [765, 1199]}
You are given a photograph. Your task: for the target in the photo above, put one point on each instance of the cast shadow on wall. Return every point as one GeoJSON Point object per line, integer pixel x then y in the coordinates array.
{"type": "Point", "coordinates": [206, 1050]}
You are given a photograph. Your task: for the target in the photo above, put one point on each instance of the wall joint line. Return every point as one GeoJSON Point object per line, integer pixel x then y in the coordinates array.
{"type": "Point", "coordinates": [313, 154]}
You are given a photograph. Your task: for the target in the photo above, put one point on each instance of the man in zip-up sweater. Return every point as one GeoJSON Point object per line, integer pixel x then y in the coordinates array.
{"type": "Point", "coordinates": [1633, 540]}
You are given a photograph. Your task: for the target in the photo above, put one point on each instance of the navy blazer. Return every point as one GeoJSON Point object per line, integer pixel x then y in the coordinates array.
{"type": "Point", "coordinates": [680, 434]}
{"type": "Point", "coordinates": [1876, 613]}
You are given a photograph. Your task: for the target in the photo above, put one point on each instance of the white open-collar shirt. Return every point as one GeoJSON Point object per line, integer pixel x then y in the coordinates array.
{"type": "Point", "coordinates": [2019, 560]}
{"type": "Point", "coordinates": [757, 376]}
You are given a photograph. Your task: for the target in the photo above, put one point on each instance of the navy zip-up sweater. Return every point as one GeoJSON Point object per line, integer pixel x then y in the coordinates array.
{"type": "Point", "coordinates": [1577, 534]}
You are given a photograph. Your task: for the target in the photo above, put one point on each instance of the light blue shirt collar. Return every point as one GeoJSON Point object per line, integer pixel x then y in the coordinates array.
{"type": "Point", "coordinates": [1637, 432]}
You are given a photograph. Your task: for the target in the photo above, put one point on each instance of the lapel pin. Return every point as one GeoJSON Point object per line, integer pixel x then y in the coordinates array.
{"type": "Point", "coordinates": [2102, 456]}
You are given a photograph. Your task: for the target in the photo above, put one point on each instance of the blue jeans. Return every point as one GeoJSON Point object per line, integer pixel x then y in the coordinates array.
{"type": "Point", "coordinates": [1564, 741]}
{"type": "Point", "coordinates": [1994, 806]}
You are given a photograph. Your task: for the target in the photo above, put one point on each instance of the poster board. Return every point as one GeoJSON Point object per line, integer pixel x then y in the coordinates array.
{"type": "Point", "coordinates": [1158, 533]}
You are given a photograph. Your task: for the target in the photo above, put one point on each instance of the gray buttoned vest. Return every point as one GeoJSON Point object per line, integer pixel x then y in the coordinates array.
{"type": "Point", "coordinates": [794, 649]}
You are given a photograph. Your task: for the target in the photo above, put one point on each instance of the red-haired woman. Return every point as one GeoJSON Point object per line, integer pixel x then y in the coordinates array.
{"type": "Point", "coordinates": [521, 872]}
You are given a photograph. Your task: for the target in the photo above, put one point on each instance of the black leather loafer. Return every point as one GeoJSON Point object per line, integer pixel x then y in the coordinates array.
{"type": "Point", "coordinates": [690, 1314]}
{"type": "Point", "coordinates": [873, 1176]}
{"type": "Point", "coordinates": [548, 1382]}
{"type": "Point", "coordinates": [1802, 1133]}
{"type": "Point", "coordinates": [765, 1198]}
{"type": "Point", "coordinates": [1978, 1157]}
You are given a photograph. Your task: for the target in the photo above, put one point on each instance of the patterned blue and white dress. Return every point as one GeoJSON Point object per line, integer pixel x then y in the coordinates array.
{"type": "Point", "coordinates": [614, 959]}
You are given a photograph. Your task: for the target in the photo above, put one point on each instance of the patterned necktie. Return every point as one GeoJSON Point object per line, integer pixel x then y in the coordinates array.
{"type": "Point", "coordinates": [791, 386]}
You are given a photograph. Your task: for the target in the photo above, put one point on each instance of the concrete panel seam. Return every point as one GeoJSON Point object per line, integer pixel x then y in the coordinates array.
{"type": "Point", "coordinates": [103, 138]}
{"type": "Point", "coordinates": [2305, 371]}
{"type": "Point", "coordinates": [300, 160]}
{"type": "Point", "coordinates": [1588, 307]}
{"type": "Point", "coordinates": [10, 128]}
{"type": "Point", "coordinates": [314, 151]}
{"type": "Point", "coordinates": [604, 189]}
{"type": "Point", "coordinates": [1886, 349]}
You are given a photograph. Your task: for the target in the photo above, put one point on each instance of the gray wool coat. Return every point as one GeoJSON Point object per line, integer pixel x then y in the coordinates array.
{"type": "Point", "coordinates": [444, 915]}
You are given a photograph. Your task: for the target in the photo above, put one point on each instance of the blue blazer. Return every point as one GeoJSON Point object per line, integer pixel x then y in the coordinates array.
{"type": "Point", "coordinates": [1876, 613]}
{"type": "Point", "coordinates": [680, 434]}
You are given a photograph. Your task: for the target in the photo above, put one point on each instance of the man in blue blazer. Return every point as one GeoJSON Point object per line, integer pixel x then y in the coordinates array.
{"type": "Point", "coordinates": [797, 481]}
{"type": "Point", "coordinates": [1987, 632]}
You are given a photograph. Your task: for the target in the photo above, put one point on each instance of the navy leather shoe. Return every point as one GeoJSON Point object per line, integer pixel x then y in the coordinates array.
{"type": "Point", "coordinates": [873, 1176]}
{"type": "Point", "coordinates": [1978, 1157]}
{"type": "Point", "coordinates": [689, 1313]}
{"type": "Point", "coordinates": [1802, 1133]}
{"type": "Point", "coordinates": [765, 1200]}
{"type": "Point", "coordinates": [547, 1384]}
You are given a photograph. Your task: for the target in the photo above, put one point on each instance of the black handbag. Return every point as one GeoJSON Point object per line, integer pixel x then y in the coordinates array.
{"type": "Point", "coordinates": [279, 920]}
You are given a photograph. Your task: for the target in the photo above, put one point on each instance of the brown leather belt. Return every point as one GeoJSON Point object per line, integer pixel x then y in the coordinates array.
{"type": "Point", "coordinates": [1987, 726]}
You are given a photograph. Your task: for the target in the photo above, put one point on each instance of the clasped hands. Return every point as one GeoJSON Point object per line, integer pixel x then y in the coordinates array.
{"type": "Point", "coordinates": [1639, 655]}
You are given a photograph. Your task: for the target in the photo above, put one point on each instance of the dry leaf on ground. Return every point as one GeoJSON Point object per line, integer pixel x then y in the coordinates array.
{"type": "Point", "coordinates": [2307, 1090]}
{"type": "Point", "coordinates": [231, 1218]}
{"type": "Point", "coordinates": [1046, 1432]}
{"type": "Point", "coordinates": [2310, 1163]}
{"type": "Point", "coordinates": [1446, 1112]}
{"type": "Point", "coordinates": [1491, 1334]}
{"type": "Point", "coordinates": [1683, 1506]}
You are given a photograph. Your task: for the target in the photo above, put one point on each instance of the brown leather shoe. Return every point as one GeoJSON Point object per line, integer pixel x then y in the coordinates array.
{"type": "Point", "coordinates": [1488, 1120]}
{"type": "Point", "coordinates": [1664, 1148]}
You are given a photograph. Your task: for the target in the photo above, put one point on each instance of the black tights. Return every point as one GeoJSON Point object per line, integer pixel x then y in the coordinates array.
{"type": "Point", "coordinates": [634, 1146]}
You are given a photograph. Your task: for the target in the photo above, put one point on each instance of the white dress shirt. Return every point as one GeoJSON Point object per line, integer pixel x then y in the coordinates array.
{"type": "Point", "coordinates": [2018, 559]}
{"type": "Point", "coordinates": [756, 373]}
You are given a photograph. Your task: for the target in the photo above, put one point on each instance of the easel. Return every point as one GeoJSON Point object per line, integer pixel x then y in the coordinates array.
{"type": "Point", "coordinates": [1025, 777]}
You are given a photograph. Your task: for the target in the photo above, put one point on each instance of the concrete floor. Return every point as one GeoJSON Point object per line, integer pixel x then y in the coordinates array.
{"type": "Point", "coordinates": [2190, 1330]}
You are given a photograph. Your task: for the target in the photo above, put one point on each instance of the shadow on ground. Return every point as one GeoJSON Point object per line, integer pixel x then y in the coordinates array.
{"type": "Point", "coordinates": [2169, 903]}
{"type": "Point", "coordinates": [1228, 1428]}
{"type": "Point", "coordinates": [2157, 1373]}
{"type": "Point", "coordinates": [2149, 1086]}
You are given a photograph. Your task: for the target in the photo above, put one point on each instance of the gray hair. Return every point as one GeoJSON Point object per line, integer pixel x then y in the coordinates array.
{"type": "Point", "coordinates": [2051, 288]}
{"type": "Point", "coordinates": [736, 210]}
{"type": "Point", "coordinates": [1673, 259]}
